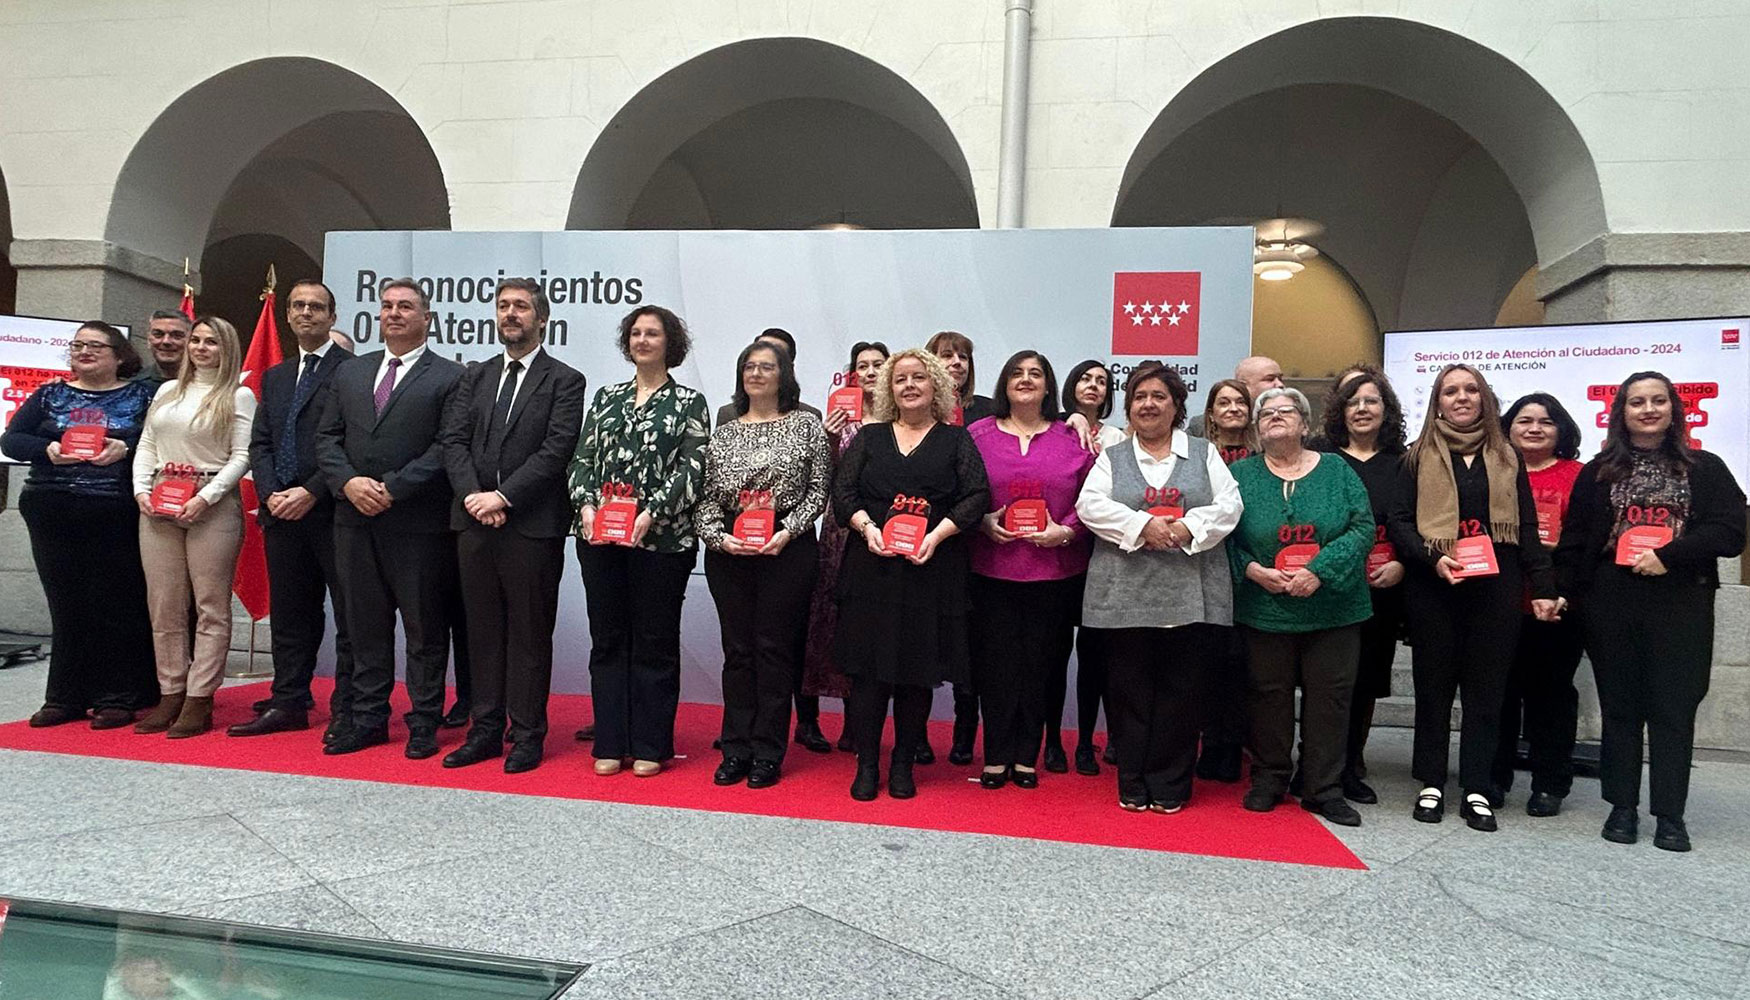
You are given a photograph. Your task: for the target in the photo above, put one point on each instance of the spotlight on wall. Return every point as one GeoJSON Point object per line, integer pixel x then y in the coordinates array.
{"type": "Point", "coordinates": [1283, 247]}
{"type": "Point", "coordinates": [840, 224]}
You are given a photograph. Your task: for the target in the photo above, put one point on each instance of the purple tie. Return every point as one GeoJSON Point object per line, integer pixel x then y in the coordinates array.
{"type": "Point", "coordinates": [387, 386]}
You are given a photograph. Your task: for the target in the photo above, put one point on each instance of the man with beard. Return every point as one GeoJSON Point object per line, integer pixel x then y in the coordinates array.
{"type": "Point", "coordinates": [378, 445]}
{"type": "Point", "coordinates": [297, 520]}
{"type": "Point", "coordinates": [509, 434]}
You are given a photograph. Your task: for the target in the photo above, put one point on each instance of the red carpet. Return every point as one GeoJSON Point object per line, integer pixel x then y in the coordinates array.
{"type": "Point", "coordinates": [1069, 808]}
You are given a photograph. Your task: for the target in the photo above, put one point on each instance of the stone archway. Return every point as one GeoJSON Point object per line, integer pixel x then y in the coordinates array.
{"type": "Point", "coordinates": [775, 133]}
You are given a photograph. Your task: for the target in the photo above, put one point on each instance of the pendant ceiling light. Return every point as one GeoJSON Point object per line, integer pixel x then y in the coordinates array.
{"type": "Point", "coordinates": [1283, 245]}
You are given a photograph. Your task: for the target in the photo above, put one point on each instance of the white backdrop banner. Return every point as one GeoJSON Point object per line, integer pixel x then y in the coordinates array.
{"type": "Point", "coordinates": [33, 350]}
{"type": "Point", "coordinates": [1584, 365]}
{"type": "Point", "coordinates": [1118, 295]}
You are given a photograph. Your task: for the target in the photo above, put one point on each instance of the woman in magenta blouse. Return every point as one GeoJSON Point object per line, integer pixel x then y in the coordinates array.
{"type": "Point", "coordinates": [1027, 565]}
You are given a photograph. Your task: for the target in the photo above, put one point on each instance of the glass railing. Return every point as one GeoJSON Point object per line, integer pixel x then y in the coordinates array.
{"type": "Point", "coordinates": [58, 951]}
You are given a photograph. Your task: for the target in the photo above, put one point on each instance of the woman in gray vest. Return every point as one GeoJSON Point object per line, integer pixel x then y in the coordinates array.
{"type": "Point", "coordinates": [1160, 507]}
{"type": "Point", "coordinates": [1299, 561]}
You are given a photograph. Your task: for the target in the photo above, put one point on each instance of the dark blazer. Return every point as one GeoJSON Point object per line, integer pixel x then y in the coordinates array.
{"type": "Point", "coordinates": [278, 385]}
{"type": "Point", "coordinates": [539, 438]}
{"type": "Point", "coordinates": [400, 448]}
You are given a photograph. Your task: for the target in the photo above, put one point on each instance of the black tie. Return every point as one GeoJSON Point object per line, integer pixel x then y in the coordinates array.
{"type": "Point", "coordinates": [285, 458]}
{"type": "Point", "coordinates": [501, 417]}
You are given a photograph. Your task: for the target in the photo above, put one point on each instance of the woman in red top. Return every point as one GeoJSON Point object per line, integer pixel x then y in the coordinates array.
{"type": "Point", "coordinates": [1541, 684]}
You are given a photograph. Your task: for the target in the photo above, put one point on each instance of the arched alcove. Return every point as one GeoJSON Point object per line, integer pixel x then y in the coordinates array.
{"type": "Point", "coordinates": [775, 133]}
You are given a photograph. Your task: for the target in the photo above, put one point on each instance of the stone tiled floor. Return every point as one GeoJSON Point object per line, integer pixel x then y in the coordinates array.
{"type": "Point", "coordinates": [673, 903]}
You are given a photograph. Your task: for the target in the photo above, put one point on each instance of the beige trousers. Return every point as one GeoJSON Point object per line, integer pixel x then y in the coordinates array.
{"type": "Point", "coordinates": [200, 558]}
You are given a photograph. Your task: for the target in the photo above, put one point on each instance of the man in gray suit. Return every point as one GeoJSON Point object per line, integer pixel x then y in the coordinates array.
{"type": "Point", "coordinates": [378, 445]}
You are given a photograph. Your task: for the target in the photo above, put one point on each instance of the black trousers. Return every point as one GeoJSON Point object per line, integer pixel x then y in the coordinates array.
{"type": "Point", "coordinates": [634, 599]}
{"type": "Point", "coordinates": [1462, 640]}
{"type": "Point", "coordinates": [301, 578]}
{"type": "Point", "coordinates": [1541, 702]}
{"type": "Point", "coordinates": [762, 607]}
{"type": "Point", "coordinates": [1090, 684]}
{"type": "Point", "coordinates": [387, 572]}
{"type": "Point", "coordinates": [1651, 643]}
{"type": "Point", "coordinates": [1021, 637]}
{"type": "Point", "coordinates": [461, 656]}
{"type": "Point", "coordinates": [866, 714]}
{"type": "Point", "coordinates": [1224, 706]}
{"type": "Point", "coordinates": [87, 552]}
{"type": "Point", "coordinates": [1323, 664]}
{"type": "Point", "coordinates": [1156, 678]}
{"type": "Point", "coordinates": [510, 586]}
{"type": "Point", "coordinates": [1378, 645]}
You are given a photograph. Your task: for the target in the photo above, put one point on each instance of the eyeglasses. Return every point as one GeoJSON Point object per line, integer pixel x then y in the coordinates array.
{"type": "Point", "coordinates": [88, 346]}
{"type": "Point", "coordinates": [1279, 411]}
{"type": "Point", "coordinates": [310, 307]}
{"type": "Point", "coordinates": [1357, 402]}
{"type": "Point", "coordinates": [758, 368]}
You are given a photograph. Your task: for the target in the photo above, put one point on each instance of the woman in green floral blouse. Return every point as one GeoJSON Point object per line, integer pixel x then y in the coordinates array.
{"type": "Point", "coordinates": [642, 447]}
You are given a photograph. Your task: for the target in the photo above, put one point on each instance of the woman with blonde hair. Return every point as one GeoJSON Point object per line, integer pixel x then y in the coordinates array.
{"type": "Point", "coordinates": [908, 488]}
{"type": "Point", "coordinates": [193, 450]}
{"type": "Point", "coordinates": [1464, 524]}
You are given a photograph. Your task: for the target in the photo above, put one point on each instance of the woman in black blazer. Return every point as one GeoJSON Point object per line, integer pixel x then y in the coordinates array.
{"type": "Point", "coordinates": [1647, 521]}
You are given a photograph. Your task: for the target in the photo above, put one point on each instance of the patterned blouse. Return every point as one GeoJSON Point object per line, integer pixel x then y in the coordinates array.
{"type": "Point", "coordinates": [56, 406]}
{"type": "Point", "coordinates": [658, 449]}
{"type": "Point", "coordinates": [788, 456]}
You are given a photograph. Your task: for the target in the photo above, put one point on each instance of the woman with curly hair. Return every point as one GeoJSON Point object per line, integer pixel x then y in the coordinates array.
{"type": "Point", "coordinates": [903, 602]}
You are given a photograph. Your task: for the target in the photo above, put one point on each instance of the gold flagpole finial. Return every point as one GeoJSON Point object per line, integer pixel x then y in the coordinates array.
{"type": "Point", "coordinates": [271, 282]}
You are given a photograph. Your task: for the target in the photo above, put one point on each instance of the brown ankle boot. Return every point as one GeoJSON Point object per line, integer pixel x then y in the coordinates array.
{"type": "Point", "coordinates": [196, 718]}
{"type": "Point", "coordinates": [160, 718]}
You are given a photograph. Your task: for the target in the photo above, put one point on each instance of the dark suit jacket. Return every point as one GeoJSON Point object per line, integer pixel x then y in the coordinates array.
{"type": "Point", "coordinates": [278, 385]}
{"type": "Point", "coordinates": [539, 439]}
{"type": "Point", "coordinates": [400, 448]}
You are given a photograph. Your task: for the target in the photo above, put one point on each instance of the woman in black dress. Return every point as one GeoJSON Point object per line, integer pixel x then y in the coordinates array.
{"type": "Point", "coordinates": [902, 625]}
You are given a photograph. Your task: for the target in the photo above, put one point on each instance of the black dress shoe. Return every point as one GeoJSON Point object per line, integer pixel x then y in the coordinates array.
{"type": "Point", "coordinates": [1087, 761]}
{"type": "Point", "coordinates": [478, 748]}
{"type": "Point", "coordinates": [1356, 790]}
{"type": "Point", "coordinates": [1336, 811]}
{"type": "Point", "coordinates": [1025, 779]}
{"type": "Point", "coordinates": [1543, 804]}
{"type": "Point", "coordinates": [731, 771]}
{"type": "Point", "coordinates": [524, 756]}
{"type": "Point", "coordinates": [112, 718]}
{"type": "Point", "coordinates": [1430, 806]}
{"type": "Point", "coordinates": [899, 780]}
{"type": "Point", "coordinates": [810, 738]}
{"type": "Point", "coordinates": [1478, 812]}
{"type": "Point", "coordinates": [868, 781]}
{"type": "Point", "coordinates": [335, 729]}
{"type": "Point", "coordinates": [845, 743]}
{"type": "Point", "coordinates": [586, 734]}
{"type": "Point", "coordinates": [1055, 760]}
{"type": "Point", "coordinates": [1261, 800]}
{"type": "Point", "coordinates": [924, 754]}
{"type": "Point", "coordinates": [960, 753]}
{"type": "Point", "coordinates": [421, 743]}
{"type": "Point", "coordinates": [456, 717]}
{"type": "Point", "coordinates": [1110, 756]}
{"type": "Point", "coordinates": [352, 740]}
{"type": "Point", "coordinates": [53, 715]}
{"type": "Point", "coordinates": [274, 720]}
{"type": "Point", "coordinates": [1623, 826]}
{"type": "Point", "coordinates": [1670, 834]}
{"type": "Point", "coordinates": [764, 774]}
{"type": "Point", "coordinates": [993, 779]}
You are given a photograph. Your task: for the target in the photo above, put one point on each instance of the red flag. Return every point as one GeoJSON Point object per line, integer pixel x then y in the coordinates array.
{"type": "Point", "coordinates": [186, 306]}
{"type": "Point", "coordinates": [250, 583]}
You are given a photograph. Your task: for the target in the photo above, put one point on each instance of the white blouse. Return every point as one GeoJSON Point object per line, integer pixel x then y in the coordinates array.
{"type": "Point", "coordinates": [1122, 525]}
{"type": "Point", "coordinates": [169, 435]}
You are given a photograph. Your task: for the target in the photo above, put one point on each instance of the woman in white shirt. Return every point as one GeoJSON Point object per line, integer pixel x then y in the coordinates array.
{"type": "Point", "coordinates": [196, 435]}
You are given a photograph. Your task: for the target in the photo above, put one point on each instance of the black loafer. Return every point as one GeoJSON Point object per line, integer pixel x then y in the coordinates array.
{"type": "Point", "coordinates": [1261, 800]}
{"type": "Point", "coordinates": [1670, 834]}
{"type": "Point", "coordinates": [1025, 779]}
{"type": "Point", "coordinates": [456, 717]}
{"type": "Point", "coordinates": [1623, 826]}
{"type": "Point", "coordinates": [924, 754]}
{"type": "Point", "coordinates": [959, 753]}
{"type": "Point", "coordinates": [764, 774]}
{"type": "Point", "coordinates": [1356, 790]}
{"type": "Point", "coordinates": [1087, 761]}
{"type": "Point", "coordinates": [731, 771]}
{"type": "Point", "coordinates": [586, 734]}
{"type": "Point", "coordinates": [1478, 812]}
{"type": "Point", "coordinates": [53, 715]}
{"type": "Point", "coordinates": [335, 730]}
{"type": "Point", "coordinates": [810, 738]}
{"type": "Point", "coordinates": [112, 718]}
{"type": "Point", "coordinates": [352, 740]}
{"type": "Point", "coordinates": [1055, 760]}
{"type": "Point", "coordinates": [524, 756]}
{"type": "Point", "coordinates": [1336, 811]}
{"type": "Point", "coordinates": [421, 743]}
{"type": "Point", "coordinates": [475, 750]}
{"type": "Point", "coordinates": [1543, 804]}
{"type": "Point", "coordinates": [274, 720]}
{"type": "Point", "coordinates": [993, 779]}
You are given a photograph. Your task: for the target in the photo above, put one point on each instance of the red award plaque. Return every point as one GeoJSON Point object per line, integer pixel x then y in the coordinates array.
{"type": "Point", "coordinates": [1382, 551]}
{"type": "Point", "coordinates": [1476, 557]}
{"type": "Point", "coordinates": [1026, 516]}
{"type": "Point", "coordinates": [848, 400]}
{"type": "Point", "coordinates": [174, 489]}
{"type": "Point", "coordinates": [907, 524]}
{"type": "Point", "coordinates": [1549, 522]}
{"type": "Point", "coordinates": [1292, 557]}
{"type": "Point", "coordinates": [757, 521]}
{"type": "Point", "coordinates": [1640, 538]}
{"type": "Point", "coordinates": [615, 517]}
{"type": "Point", "coordinates": [84, 441]}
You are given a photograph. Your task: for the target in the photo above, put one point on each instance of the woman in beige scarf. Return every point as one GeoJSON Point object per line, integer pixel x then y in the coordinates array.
{"type": "Point", "coordinates": [1463, 500]}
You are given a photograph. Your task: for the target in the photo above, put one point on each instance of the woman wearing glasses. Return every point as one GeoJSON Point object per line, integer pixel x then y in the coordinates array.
{"type": "Point", "coordinates": [199, 424]}
{"type": "Point", "coordinates": [84, 530]}
{"type": "Point", "coordinates": [764, 486]}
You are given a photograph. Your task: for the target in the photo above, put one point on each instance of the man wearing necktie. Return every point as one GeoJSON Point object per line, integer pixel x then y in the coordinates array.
{"type": "Point", "coordinates": [509, 434]}
{"type": "Point", "coordinates": [297, 519]}
{"type": "Point", "coordinates": [378, 447]}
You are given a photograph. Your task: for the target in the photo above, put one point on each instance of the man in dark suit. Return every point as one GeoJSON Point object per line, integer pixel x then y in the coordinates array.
{"type": "Point", "coordinates": [508, 438]}
{"type": "Point", "coordinates": [297, 520]}
{"type": "Point", "coordinates": [378, 446]}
